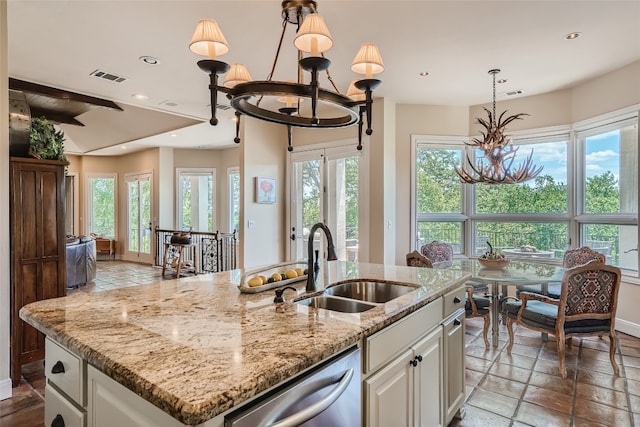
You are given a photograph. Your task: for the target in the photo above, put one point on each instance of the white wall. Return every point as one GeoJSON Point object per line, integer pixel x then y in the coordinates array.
{"type": "Point", "coordinates": [263, 154]}
{"type": "Point", "coordinates": [5, 281]}
{"type": "Point", "coordinates": [614, 91]}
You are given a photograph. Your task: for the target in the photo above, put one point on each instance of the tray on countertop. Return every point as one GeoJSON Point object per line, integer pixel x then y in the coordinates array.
{"type": "Point", "coordinates": [268, 271]}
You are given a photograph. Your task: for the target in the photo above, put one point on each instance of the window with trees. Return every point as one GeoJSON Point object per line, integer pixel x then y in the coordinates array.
{"type": "Point", "coordinates": [587, 194]}
{"type": "Point", "coordinates": [233, 175]}
{"type": "Point", "coordinates": [101, 206]}
{"type": "Point", "coordinates": [195, 199]}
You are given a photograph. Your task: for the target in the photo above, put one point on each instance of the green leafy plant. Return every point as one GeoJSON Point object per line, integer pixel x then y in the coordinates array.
{"type": "Point", "coordinates": [45, 142]}
{"type": "Point", "coordinates": [491, 254]}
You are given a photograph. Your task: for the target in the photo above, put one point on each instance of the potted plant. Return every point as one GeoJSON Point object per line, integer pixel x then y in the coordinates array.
{"type": "Point", "coordinates": [45, 142]}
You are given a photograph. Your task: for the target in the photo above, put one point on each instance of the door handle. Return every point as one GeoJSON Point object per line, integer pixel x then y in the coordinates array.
{"type": "Point", "coordinates": [457, 300]}
{"type": "Point", "coordinates": [58, 368]}
{"type": "Point", "coordinates": [457, 322]}
{"type": "Point", "coordinates": [58, 421]}
{"type": "Point", "coordinates": [312, 410]}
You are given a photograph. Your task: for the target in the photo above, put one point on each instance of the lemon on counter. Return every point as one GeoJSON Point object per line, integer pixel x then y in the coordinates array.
{"type": "Point", "coordinates": [276, 277]}
{"type": "Point", "coordinates": [255, 281]}
{"type": "Point", "coordinates": [264, 279]}
{"type": "Point", "coordinates": [291, 274]}
{"type": "Point", "coordinates": [300, 271]}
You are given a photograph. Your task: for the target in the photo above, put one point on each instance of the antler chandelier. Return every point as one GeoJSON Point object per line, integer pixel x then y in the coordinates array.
{"type": "Point", "coordinates": [497, 164]}
{"type": "Point", "coordinates": [260, 98]}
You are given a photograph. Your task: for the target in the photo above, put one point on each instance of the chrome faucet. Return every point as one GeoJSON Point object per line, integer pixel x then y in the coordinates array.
{"type": "Point", "coordinates": [312, 269]}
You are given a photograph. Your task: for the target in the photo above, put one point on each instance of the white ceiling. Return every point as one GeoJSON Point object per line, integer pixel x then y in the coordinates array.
{"type": "Point", "coordinates": [59, 43]}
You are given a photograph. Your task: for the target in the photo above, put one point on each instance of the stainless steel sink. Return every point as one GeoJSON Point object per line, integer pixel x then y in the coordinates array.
{"type": "Point", "coordinates": [336, 304]}
{"type": "Point", "coordinates": [377, 292]}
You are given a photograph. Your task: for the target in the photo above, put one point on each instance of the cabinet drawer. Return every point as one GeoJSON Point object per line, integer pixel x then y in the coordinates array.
{"type": "Point", "coordinates": [453, 300]}
{"type": "Point", "coordinates": [71, 381]}
{"type": "Point", "coordinates": [397, 337]}
{"type": "Point", "coordinates": [56, 405]}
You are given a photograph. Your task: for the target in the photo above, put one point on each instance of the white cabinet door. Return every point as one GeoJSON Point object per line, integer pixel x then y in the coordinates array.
{"type": "Point", "coordinates": [389, 394]}
{"type": "Point", "coordinates": [111, 404]}
{"type": "Point", "coordinates": [453, 328]}
{"type": "Point", "coordinates": [428, 384]}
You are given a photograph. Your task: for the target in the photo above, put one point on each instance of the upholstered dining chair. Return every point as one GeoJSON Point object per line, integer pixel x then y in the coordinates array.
{"type": "Point", "coordinates": [586, 307]}
{"type": "Point", "coordinates": [478, 306]}
{"type": "Point", "coordinates": [437, 251]}
{"type": "Point", "coordinates": [475, 305]}
{"type": "Point", "coordinates": [416, 259]}
{"type": "Point", "coordinates": [572, 258]}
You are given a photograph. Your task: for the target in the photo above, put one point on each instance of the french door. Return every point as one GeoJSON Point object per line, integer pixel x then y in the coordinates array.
{"type": "Point", "coordinates": [139, 217]}
{"type": "Point", "coordinates": [325, 187]}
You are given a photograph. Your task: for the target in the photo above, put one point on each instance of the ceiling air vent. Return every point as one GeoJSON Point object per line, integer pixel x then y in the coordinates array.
{"type": "Point", "coordinates": [221, 106]}
{"type": "Point", "coordinates": [108, 76]}
{"type": "Point", "coordinates": [514, 92]}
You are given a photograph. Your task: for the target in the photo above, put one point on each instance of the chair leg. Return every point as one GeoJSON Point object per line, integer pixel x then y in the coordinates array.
{"type": "Point", "coordinates": [511, 337]}
{"type": "Point", "coordinates": [560, 343]}
{"type": "Point", "coordinates": [485, 330]}
{"type": "Point", "coordinates": [612, 353]}
{"type": "Point", "coordinates": [569, 342]}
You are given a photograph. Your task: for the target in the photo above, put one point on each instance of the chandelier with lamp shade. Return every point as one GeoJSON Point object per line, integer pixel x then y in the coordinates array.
{"type": "Point", "coordinates": [326, 108]}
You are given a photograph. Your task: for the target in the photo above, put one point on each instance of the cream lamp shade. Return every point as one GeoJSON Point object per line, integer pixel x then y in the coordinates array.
{"type": "Point", "coordinates": [236, 75]}
{"type": "Point", "coordinates": [313, 36]}
{"type": "Point", "coordinates": [354, 93]}
{"type": "Point", "coordinates": [208, 40]}
{"type": "Point", "coordinates": [368, 61]}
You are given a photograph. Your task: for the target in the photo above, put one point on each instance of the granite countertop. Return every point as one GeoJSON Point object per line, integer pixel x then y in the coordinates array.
{"type": "Point", "coordinates": [196, 347]}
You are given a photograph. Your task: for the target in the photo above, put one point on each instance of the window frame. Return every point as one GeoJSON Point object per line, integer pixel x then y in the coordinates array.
{"type": "Point", "coordinates": [89, 198]}
{"type": "Point", "coordinates": [235, 170]}
{"type": "Point", "coordinates": [574, 217]}
{"type": "Point", "coordinates": [179, 194]}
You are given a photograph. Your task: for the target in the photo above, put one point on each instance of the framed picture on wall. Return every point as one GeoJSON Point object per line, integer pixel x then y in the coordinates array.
{"type": "Point", "coordinates": [265, 190]}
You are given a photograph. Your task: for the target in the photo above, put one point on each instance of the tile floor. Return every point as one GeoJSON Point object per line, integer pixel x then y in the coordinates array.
{"type": "Point", "coordinates": [523, 389]}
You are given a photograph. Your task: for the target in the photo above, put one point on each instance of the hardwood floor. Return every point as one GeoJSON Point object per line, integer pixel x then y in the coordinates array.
{"type": "Point", "coordinates": [521, 389]}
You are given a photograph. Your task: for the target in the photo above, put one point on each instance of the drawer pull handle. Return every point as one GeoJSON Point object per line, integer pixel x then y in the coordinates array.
{"type": "Point", "coordinates": [457, 300]}
{"type": "Point", "coordinates": [58, 421]}
{"type": "Point", "coordinates": [58, 368]}
{"type": "Point", "coordinates": [419, 358]}
{"type": "Point", "coordinates": [413, 363]}
{"type": "Point", "coordinates": [457, 322]}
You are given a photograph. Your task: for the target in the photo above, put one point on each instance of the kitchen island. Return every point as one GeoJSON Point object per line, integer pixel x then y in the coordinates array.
{"type": "Point", "coordinates": [196, 347]}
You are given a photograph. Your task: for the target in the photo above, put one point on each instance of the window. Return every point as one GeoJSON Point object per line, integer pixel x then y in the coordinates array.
{"type": "Point", "coordinates": [234, 198]}
{"type": "Point", "coordinates": [609, 166]}
{"type": "Point", "coordinates": [438, 194]}
{"type": "Point", "coordinates": [592, 201]}
{"type": "Point", "coordinates": [102, 205]}
{"type": "Point", "coordinates": [195, 199]}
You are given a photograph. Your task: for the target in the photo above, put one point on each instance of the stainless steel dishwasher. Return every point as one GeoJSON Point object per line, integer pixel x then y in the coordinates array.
{"type": "Point", "coordinates": [329, 395]}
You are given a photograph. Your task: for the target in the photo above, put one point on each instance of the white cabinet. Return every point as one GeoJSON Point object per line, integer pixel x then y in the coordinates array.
{"type": "Point", "coordinates": [454, 363]}
{"type": "Point", "coordinates": [407, 390]}
{"type": "Point", "coordinates": [389, 394]}
{"type": "Point", "coordinates": [64, 392]}
{"type": "Point", "coordinates": [414, 369]}
{"type": "Point", "coordinates": [428, 385]}
{"type": "Point", "coordinates": [111, 404]}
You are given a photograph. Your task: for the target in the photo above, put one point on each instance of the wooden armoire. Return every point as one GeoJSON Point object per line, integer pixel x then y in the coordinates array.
{"type": "Point", "coordinates": [38, 268]}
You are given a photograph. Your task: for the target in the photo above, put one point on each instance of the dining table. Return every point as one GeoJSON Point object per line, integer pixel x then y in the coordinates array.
{"type": "Point", "coordinates": [516, 273]}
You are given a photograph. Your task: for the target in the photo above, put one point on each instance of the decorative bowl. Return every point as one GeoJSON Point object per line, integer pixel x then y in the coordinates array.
{"type": "Point", "coordinates": [493, 263]}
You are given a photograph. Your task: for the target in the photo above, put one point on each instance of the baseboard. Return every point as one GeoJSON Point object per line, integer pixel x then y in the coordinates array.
{"type": "Point", "coordinates": [628, 328]}
{"type": "Point", "coordinates": [5, 389]}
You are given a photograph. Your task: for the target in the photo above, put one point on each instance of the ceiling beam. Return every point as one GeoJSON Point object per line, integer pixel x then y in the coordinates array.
{"type": "Point", "coordinates": [61, 94]}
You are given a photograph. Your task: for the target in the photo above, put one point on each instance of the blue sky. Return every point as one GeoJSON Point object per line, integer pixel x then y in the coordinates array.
{"type": "Point", "coordinates": [602, 151]}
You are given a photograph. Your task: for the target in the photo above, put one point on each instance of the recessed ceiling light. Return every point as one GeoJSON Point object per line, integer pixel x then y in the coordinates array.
{"type": "Point", "coordinates": [124, 147]}
{"type": "Point", "coordinates": [502, 81]}
{"type": "Point", "coordinates": [150, 60]}
{"type": "Point", "coordinates": [573, 36]}
{"type": "Point", "coordinates": [424, 73]}
{"type": "Point", "coordinates": [140, 96]}
{"type": "Point", "coordinates": [173, 135]}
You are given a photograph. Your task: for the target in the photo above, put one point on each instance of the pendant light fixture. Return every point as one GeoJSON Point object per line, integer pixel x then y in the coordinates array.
{"type": "Point", "coordinates": [255, 98]}
{"type": "Point", "coordinates": [497, 164]}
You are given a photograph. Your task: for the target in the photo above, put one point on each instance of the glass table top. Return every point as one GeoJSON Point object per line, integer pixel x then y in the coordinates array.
{"type": "Point", "coordinates": [519, 272]}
